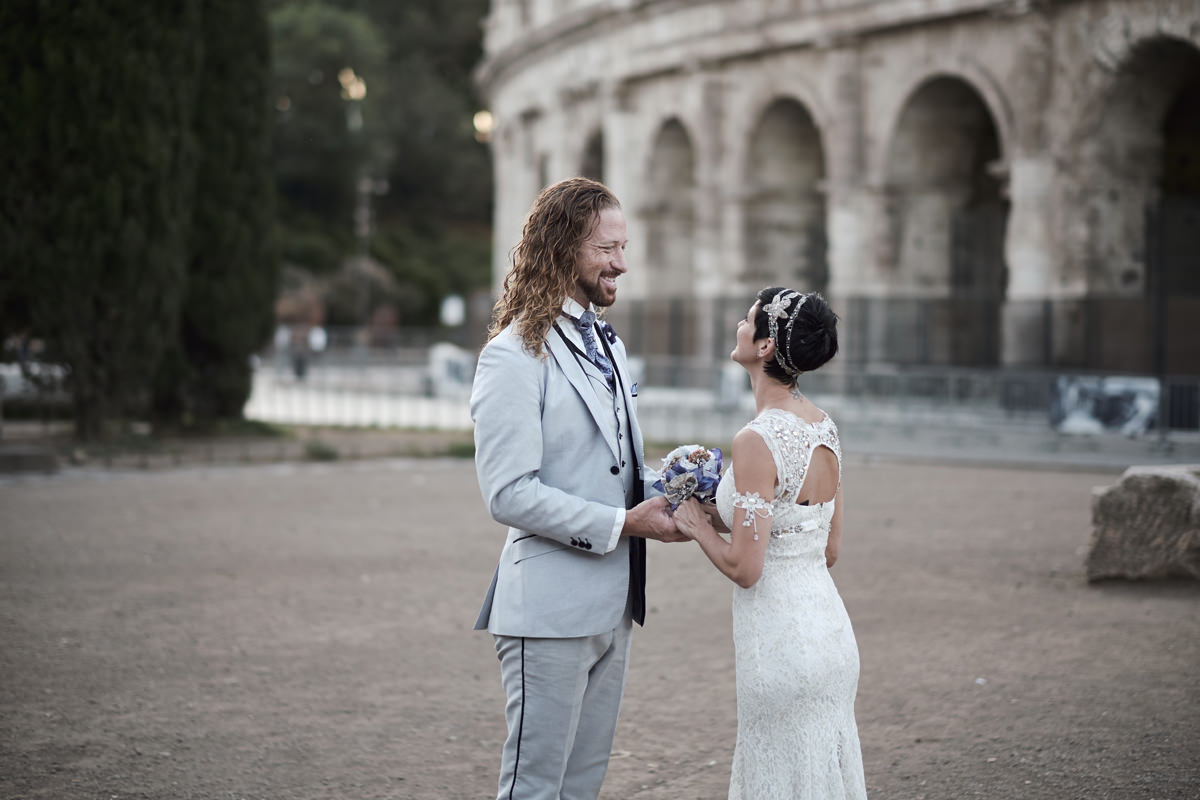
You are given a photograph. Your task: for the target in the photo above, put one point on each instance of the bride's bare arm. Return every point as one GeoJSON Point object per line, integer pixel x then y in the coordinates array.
{"type": "Point", "coordinates": [741, 558]}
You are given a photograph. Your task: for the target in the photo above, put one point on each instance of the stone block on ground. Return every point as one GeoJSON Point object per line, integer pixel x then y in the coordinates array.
{"type": "Point", "coordinates": [1147, 525]}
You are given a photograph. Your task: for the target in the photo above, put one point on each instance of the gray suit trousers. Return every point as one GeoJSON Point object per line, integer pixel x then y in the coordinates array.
{"type": "Point", "coordinates": [563, 699]}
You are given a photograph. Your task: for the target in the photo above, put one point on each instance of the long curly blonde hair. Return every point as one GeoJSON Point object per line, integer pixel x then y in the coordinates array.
{"type": "Point", "coordinates": [544, 267]}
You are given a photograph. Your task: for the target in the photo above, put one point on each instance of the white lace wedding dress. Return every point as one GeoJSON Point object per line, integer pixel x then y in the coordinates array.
{"type": "Point", "coordinates": [797, 660]}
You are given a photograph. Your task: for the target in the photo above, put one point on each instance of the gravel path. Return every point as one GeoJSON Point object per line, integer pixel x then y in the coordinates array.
{"type": "Point", "coordinates": [302, 631]}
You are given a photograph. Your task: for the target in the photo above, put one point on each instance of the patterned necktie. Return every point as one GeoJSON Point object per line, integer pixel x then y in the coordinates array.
{"type": "Point", "coordinates": [586, 320]}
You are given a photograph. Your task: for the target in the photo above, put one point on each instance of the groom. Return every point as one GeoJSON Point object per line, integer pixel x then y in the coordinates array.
{"type": "Point", "coordinates": [558, 453]}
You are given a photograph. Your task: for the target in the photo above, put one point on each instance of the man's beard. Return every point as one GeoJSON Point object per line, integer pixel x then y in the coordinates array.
{"type": "Point", "coordinates": [596, 295]}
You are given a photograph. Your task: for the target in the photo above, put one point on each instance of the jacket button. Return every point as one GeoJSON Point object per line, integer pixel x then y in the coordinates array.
{"type": "Point", "coordinates": [615, 470]}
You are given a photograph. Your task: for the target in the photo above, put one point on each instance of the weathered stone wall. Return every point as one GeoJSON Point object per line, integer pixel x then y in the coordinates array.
{"type": "Point", "coordinates": [968, 180]}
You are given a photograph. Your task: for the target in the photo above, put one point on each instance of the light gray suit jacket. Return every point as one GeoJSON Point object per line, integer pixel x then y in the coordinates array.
{"type": "Point", "coordinates": [548, 459]}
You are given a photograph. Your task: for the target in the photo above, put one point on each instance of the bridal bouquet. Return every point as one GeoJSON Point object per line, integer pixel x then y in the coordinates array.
{"type": "Point", "coordinates": [690, 471]}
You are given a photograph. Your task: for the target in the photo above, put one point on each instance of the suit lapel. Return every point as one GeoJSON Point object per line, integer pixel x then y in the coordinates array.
{"type": "Point", "coordinates": [601, 412]}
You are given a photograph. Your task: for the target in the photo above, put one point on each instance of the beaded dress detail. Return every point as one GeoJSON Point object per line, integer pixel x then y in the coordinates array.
{"type": "Point", "coordinates": [797, 660]}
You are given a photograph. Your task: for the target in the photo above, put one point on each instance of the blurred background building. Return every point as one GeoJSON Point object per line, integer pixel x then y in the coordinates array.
{"type": "Point", "coordinates": [1001, 198]}
{"type": "Point", "coordinates": [972, 183]}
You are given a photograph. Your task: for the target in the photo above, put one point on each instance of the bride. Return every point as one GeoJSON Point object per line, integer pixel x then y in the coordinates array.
{"type": "Point", "coordinates": [797, 660]}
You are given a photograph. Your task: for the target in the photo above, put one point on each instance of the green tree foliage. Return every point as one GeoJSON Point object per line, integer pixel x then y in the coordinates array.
{"type": "Point", "coordinates": [324, 139]}
{"type": "Point", "coordinates": [439, 169]}
{"type": "Point", "coordinates": [122, 239]}
{"type": "Point", "coordinates": [432, 226]}
{"type": "Point", "coordinates": [232, 269]}
{"type": "Point", "coordinates": [96, 115]}
{"type": "Point", "coordinates": [135, 209]}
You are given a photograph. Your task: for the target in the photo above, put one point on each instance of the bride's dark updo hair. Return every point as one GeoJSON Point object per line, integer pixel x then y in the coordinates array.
{"type": "Point", "coordinates": [807, 337]}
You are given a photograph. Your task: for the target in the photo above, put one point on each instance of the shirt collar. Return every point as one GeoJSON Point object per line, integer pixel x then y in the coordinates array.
{"type": "Point", "coordinates": [573, 309]}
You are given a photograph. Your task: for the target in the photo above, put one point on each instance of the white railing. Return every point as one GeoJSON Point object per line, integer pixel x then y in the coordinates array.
{"type": "Point", "coordinates": [715, 402]}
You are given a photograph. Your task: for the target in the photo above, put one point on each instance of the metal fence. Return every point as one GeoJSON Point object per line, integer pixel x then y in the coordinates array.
{"type": "Point", "coordinates": [428, 387]}
{"type": "Point", "coordinates": [1102, 335]}
{"type": "Point", "coordinates": [960, 395]}
{"type": "Point", "coordinates": [680, 395]}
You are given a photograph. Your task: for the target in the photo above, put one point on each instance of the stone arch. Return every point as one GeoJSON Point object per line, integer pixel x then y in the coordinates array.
{"type": "Point", "coordinates": [1138, 208]}
{"type": "Point", "coordinates": [1174, 235]}
{"type": "Point", "coordinates": [785, 241]}
{"type": "Point", "coordinates": [1124, 30]}
{"type": "Point", "coordinates": [944, 224]}
{"type": "Point", "coordinates": [669, 219]}
{"type": "Point", "coordinates": [591, 161]}
{"type": "Point", "coordinates": [985, 85]}
{"type": "Point", "coordinates": [765, 95]}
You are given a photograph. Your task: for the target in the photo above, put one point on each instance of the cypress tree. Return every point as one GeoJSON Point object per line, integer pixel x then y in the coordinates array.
{"type": "Point", "coordinates": [232, 272]}
{"type": "Point", "coordinates": [96, 115]}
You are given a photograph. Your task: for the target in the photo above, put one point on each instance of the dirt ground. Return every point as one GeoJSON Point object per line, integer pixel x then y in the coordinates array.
{"type": "Point", "coordinates": [303, 631]}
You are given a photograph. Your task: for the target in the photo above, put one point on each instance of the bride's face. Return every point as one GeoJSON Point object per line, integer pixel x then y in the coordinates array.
{"type": "Point", "coordinates": [745, 351]}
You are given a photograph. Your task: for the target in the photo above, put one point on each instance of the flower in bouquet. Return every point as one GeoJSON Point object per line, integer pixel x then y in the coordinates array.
{"type": "Point", "coordinates": [690, 471]}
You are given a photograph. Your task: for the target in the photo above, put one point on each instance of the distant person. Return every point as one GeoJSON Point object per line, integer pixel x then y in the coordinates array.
{"type": "Point", "coordinates": [282, 342]}
{"type": "Point", "coordinates": [796, 656]}
{"type": "Point", "coordinates": [300, 357]}
{"type": "Point", "coordinates": [559, 461]}
{"type": "Point", "coordinates": [317, 339]}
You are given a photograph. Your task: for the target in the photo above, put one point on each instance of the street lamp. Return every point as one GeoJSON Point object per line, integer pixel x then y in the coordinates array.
{"type": "Point", "coordinates": [484, 125]}
{"type": "Point", "coordinates": [354, 88]}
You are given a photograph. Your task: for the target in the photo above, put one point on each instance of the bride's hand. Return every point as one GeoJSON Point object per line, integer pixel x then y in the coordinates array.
{"type": "Point", "coordinates": [714, 517]}
{"type": "Point", "coordinates": [690, 518]}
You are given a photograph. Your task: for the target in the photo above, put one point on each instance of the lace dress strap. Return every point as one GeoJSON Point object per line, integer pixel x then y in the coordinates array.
{"type": "Point", "coordinates": [774, 430]}
{"type": "Point", "coordinates": [829, 437]}
{"type": "Point", "coordinates": [792, 441]}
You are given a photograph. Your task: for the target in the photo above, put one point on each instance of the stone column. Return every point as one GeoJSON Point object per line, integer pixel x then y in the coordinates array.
{"type": "Point", "coordinates": [1030, 243]}
{"type": "Point", "coordinates": [1030, 255]}
{"type": "Point", "coordinates": [851, 213]}
{"type": "Point", "coordinates": [510, 175]}
{"type": "Point", "coordinates": [843, 143]}
{"type": "Point", "coordinates": [708, 206]}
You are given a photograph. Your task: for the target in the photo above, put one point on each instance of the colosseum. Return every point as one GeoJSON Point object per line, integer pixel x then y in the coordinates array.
{"type": "Point", "coordinates": [972, 183]}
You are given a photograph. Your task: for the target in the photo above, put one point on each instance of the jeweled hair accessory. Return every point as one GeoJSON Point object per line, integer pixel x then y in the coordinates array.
{"type": "Point", "coordinates": [776, 310]}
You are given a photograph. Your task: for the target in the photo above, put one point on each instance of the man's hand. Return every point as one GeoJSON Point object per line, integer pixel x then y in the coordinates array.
{"type": "Point", "coordinates": [651, 519]}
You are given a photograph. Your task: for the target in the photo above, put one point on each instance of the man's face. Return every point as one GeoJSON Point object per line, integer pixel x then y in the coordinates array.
{"type": "Point", "coordinates": [600, 260]}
